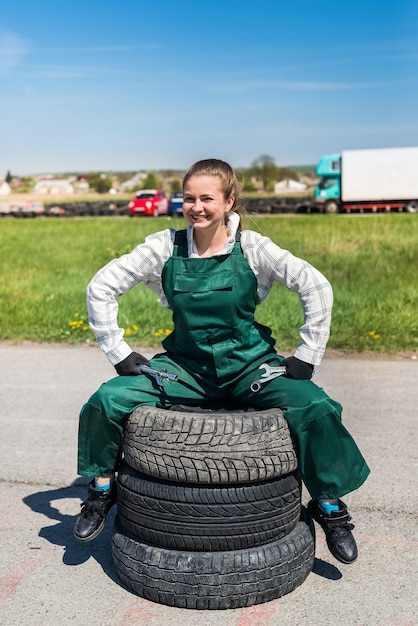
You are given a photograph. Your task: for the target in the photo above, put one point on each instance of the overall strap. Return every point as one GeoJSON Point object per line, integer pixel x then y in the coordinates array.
{"type": "Point", "coordinates": [180, 244]}
{"type": "Point", "coordinates": [180, 238]}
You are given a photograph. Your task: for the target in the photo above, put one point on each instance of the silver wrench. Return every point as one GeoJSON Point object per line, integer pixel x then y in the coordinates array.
{"type": "Point", "coordinates": [159, 375]}
{"type": "Point", "coordinates": [270, 373]}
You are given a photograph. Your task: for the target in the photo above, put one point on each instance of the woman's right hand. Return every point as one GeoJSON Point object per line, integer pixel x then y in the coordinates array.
{"type": "Point", "coordinates": [131, 365]}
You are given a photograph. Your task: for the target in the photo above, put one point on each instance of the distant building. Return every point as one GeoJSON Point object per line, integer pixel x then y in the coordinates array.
{"type": "Point", "coordinates": [289, 186]}
{"type": "Point", "coordinates": [51, 186]}
{"type": "Point", "coordinates": [135, 181]}
{"type": "Point", "coordinates": [80, 184]}
{"type": "Point", "coordinates": [4, 189]}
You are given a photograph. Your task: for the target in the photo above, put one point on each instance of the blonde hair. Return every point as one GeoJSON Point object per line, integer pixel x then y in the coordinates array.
{"type": "Point", "coordinates": [229, 182]}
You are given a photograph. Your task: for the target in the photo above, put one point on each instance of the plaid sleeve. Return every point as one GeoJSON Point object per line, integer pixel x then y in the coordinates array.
{"type": "Point", "coordinates": [143, 264]}
{"type": "Point", "coordinates": [271, 263]}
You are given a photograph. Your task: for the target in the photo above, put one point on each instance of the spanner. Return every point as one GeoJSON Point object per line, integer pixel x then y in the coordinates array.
{"type": "Point", "coordinates": [159, 375]}
{"type": "Point", "coordinates": [270, 373]}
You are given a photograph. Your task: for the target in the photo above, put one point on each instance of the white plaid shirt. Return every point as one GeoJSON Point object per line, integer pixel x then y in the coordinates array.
{"type": "Point", "coordinates": [268, 261]}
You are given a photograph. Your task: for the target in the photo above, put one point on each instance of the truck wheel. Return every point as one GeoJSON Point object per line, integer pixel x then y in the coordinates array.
{"type": "Point", "coordinates": [213, 580]}
{"type": "Point", "coordinates": [412, 206]}
{"type": "Point", "coordinates": [210, 447]}
{"type": "Point", "coordinates": [207, 517]}
{"type": "Point", "coordinates": [331, 207]}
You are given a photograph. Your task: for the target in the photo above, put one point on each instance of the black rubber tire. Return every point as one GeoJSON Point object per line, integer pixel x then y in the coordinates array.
{"type": "Point", "coordinates": [213, 580]}
{"type": "Point", "coordinates": [412, 206]}
{"type": "Point", "coordinates": [332, 207]}
{"type": "Point", "coordinates": [210, 447]}
{"type": "Point", "coordinates": [183, 516]}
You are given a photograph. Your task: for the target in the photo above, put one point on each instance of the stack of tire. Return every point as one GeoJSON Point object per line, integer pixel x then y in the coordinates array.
{"type": "Point", "coordinates": [209, 509]}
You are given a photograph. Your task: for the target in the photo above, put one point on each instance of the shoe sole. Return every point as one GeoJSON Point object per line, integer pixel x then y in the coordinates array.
{"type": "Point", "coordinates": [93, 535]}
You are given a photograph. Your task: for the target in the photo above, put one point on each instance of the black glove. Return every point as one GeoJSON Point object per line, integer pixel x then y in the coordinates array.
{"type": "Point", "coordinates": [295, 368]}
{"type": "Point", "coordinates": [130, 365]}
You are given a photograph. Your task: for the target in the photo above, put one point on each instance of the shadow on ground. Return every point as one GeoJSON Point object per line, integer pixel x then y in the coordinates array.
{"type": "Point", "coordinates": [77, 553]}
{"type": "Point", "coordinates": [61, 533]}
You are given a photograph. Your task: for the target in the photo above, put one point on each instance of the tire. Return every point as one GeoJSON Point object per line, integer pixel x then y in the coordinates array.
{"type": "Point", "coordinates": [209, 448]}
{"type": "Point", "coordinates": [207, 518]}
{"type": "Point", "coordinates": [331, 207]}
{"type": "Point", "coordinates": [213, 580]}
{"type": "Point", "coordinates": [412, 206]}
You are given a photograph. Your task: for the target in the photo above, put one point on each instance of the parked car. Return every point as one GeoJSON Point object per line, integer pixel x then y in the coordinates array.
{"type": "Point", "coordinates": [175, 204]}
{"type": "Point", "coordinates": [148, 202]}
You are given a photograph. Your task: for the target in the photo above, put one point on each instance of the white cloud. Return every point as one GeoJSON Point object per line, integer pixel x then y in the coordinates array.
{"type": "Point", "coordinates": [71, 71]}
{"type": "Point", "coordinates": [12, 51]}
{"type": "Point", "coordinates": [292, 85]}
{"type": "Point", "coordinates": [95, 49]}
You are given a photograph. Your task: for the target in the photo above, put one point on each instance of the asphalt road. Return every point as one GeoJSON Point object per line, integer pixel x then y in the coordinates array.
{"type": "Point", "coordinates": [48, 578]}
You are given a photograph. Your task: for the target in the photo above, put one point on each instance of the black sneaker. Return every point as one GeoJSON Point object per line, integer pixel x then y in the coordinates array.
{"type": "Point", "coordinates": [91, 520]}
{"type": "Point", "coordinates": [340, 540]}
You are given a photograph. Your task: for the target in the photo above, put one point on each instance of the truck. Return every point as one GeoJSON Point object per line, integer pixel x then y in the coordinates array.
{"type": "Point", "coordinates": [382, 179]}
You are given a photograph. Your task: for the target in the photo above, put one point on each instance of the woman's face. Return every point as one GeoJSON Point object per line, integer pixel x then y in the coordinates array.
{"type": "Point", "coordinates": [204, 205]}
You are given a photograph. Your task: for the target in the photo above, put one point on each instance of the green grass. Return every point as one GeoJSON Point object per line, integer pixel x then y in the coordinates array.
{"type": "Point", "coordinates": [371, 262]}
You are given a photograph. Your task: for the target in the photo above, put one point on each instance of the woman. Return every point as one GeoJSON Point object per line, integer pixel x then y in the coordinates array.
{"type": "Point", "coordinates": [212, 276]}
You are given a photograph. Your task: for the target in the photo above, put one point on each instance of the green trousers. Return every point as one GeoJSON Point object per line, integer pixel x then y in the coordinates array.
{"type": "Point", "coordinates": [330, 462]}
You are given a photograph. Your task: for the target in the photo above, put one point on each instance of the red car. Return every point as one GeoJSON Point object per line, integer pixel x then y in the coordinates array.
{"type": "Point", "coordinates": [148, 202]}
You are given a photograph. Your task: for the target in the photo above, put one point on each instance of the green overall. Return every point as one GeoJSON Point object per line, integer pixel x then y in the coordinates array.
{"type": "Point", "coordinates": [216, 350]}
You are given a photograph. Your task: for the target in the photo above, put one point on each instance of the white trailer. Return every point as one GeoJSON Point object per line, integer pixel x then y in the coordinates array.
{"type": "Point", "coordinates": [381, 175]}
{"type": "Point", "coordinates": [373, 179]}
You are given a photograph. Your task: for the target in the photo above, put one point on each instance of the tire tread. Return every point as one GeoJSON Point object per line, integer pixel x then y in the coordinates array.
{"type": "Point", "coordinates": [209, 448]}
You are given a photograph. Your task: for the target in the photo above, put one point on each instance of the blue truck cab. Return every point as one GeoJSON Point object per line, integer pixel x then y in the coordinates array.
{"type": "Point", "coordinates": [327, 194]}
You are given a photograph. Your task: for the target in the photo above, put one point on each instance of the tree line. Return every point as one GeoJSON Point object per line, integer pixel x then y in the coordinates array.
{"type": "Point", "coordinates": [261, 175]}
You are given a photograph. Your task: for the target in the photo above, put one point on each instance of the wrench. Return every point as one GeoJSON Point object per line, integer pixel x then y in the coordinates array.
{"type": "Point", "coordinates": [270, 373]}
{"type": "Point", "coordinates": [159, 375]}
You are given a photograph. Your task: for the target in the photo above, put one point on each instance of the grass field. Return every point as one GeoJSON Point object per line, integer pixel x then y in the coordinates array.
{"type": "Point", "coordinates": [371, 261]}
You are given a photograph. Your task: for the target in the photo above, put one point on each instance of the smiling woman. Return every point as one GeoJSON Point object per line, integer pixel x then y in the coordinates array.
{"type": "Point", "coordinates": [205, 208]}
{"type": "Point", "coordinates": [211, 276]}
{"type": "Point", "coordinates": [210, 193]}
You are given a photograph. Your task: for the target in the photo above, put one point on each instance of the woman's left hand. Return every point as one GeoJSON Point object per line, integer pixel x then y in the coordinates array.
{"type": "Point", "coordinates": [295, 368]}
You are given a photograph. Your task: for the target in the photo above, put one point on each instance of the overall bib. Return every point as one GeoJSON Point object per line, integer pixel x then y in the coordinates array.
{"type": "Point", "coordinates": [216, 350]}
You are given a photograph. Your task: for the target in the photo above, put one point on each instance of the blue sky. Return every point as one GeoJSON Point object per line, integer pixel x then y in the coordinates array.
{"type": "Point", "coordinates": [152, 85]}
